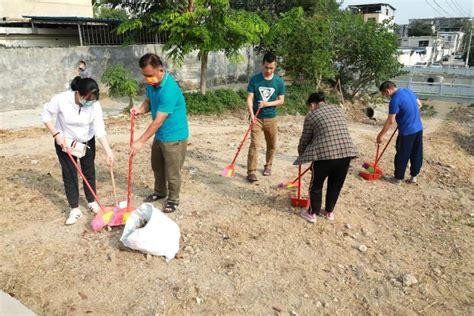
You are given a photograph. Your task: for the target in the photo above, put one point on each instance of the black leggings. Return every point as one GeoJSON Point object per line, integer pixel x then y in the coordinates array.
{"type": "Point", "coordinates": [71, 185]}
{"type": "Point", "coordinates": [335, 170]}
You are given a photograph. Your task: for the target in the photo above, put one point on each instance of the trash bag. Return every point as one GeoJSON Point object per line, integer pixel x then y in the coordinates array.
{"type": "Point", "coordinates": [150, 231]}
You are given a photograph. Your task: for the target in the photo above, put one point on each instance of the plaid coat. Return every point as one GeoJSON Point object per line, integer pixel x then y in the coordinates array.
{"type": "Point", "coordinates": [325, 136]}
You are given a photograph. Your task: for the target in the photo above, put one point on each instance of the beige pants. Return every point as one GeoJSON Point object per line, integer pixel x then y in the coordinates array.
{"type": "Point", "coordinates": [167, 159]}
{"type": "Point", "coordinates": [270, 130]}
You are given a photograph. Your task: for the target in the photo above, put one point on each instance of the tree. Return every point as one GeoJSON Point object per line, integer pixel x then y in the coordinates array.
{"type": "Point", "coordinates": [273, 8]}
{"type": "Point", "coordinates": [117, 78]}
{"type": "Point", "coordinates": [366, 53]}
{"type": "Point", "coordinates": [419, 28]}
{"type": "Point", "coordinates": [305, 44]}
{"type": "Point", "coordinates": [203, 25]}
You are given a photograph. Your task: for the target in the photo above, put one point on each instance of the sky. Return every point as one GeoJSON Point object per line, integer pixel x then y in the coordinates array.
{"type": "Point", "coordinates": [417, 9]}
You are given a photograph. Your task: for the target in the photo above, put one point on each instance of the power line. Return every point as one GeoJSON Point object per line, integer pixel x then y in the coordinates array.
{"type": "Point", "coordinates": [434, 8]}
{"type": "Point", "coordinates": [460, 8]}
{"type": "Point", "coordinates": [436, 2]}
{"type": "Point", "coordinates": [454, 8]}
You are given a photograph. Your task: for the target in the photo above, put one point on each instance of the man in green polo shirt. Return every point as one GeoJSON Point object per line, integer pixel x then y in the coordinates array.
{"type": "Point", "coordinates": [265, 90]}
{"type": "Point", "coordinates": [166, 102]}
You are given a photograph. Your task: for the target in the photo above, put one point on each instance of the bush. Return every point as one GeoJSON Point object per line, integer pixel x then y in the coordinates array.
{"type": "Point", "coordinates": [220, 100]}
{"type": "Point", "coordinates": [117, 78]}
{"type": "Point", "coordinates": [214, 101]}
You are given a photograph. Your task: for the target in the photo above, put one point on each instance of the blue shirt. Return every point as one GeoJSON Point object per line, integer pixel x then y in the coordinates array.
{"type": "Point", "coordinates": [167, 97]}
{"type": "Point", "coordinates": [404, 105]}
{"type": "Point", "coordinates": [265, 90]}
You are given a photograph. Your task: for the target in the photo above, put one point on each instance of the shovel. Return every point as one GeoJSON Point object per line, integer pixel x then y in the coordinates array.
{"type": "Point", "coordinates": [297, 201]}
{"type": "Point", "coordinates": [229, 170]}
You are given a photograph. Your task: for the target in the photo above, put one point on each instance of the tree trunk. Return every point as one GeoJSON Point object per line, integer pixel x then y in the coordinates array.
{"type": "Point", "coordinates": [190, 5]}
{"type": "Point", "coordinates": [202, 86]}
{"type": "Point", "coordinates": [130, 102]}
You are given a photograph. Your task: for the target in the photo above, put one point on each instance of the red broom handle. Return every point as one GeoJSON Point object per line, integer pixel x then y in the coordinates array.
{"type": "Point", "coordinates": [84, 179]}
{"type": "Point", "coordinates": [393, 134]}
{"type": "Point", "coordinates": [129, 181]}
{"type": "Point", "coordinates": [300, 175]}
{"type": "Point", "coordinates": [376, 156]}
{"type": "Point", "coordinates": [245, 136]}
{"type": "Point", "coordinates": [299, 181]}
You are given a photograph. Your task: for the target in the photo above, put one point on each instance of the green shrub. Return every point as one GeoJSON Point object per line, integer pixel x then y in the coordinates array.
{"type": "Point", "coordinates": [214, 101]}
{"type": "Point", "coordinates": [117, 78]}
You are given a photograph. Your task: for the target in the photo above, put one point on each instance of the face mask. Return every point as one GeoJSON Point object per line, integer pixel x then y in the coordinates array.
{"type": "Point", "coordinates": [152, 81]}
{"type": "Point", "coordinates": [86, 103]}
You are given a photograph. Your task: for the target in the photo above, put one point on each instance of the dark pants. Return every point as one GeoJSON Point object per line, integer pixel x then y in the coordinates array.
{"type": "Point", "coordinates": [335, 170]}
{"type": "Point", "coordinates": [71, 185]}
{"type": "Point", "coordinates": [167, 159]}
{"type": "Point", "coordinates": [409, 148]}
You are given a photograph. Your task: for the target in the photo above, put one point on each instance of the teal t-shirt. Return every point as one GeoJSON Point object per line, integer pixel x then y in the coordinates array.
{"type": "Point", "coordinates": [168, 98]}
{"type": "Point", "coordinates": [265, 90]}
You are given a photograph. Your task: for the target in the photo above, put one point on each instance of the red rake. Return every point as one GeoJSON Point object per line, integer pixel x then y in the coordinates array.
{"type": "Point", "coordinates": [294, 183]}
{"type": "Point", "coordinates": [297, 201]}
{"type": "Point", "coordinates": [373, 170]}
{"type": "Point", "coordinates": [229, 170]}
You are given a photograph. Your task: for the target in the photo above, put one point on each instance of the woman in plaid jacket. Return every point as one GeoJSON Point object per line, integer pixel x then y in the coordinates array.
{"type": "Point", "coordinates": [326, 143]}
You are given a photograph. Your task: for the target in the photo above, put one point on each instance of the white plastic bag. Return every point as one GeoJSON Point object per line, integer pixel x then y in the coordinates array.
{"type": "Point", "coordinates": [150, 231]}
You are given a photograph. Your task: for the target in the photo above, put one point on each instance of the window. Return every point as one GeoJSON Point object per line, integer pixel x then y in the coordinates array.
{"type": "Point", "coordinates": [423, 43]}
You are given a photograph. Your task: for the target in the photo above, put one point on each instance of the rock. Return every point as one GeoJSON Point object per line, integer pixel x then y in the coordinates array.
{"type": "Point", "coordinates": [193, 170]}
{"type": "Point", "coordinates": [34, 162]}
{"type": "Point", "coordinates": [148, 256]}
{"type": "Point", "coordinates": [362, 248]}
{"type": "Point", "coordinates": [348, 226]}
{"type": "Point", "coordinates": [293, 313]}
{"type": "Point", "coordinates": [471, 214]}
{"type": "Point", "coordinates": [409, 280]}
{"type": "Point", "coordinates": [111, 256]}
{"type": "Point", "coordinates": [198, 300]}
{"type": "Point", "coordinates": [319, 304]}
{"type": "Point", "coordinates": [437, 271]}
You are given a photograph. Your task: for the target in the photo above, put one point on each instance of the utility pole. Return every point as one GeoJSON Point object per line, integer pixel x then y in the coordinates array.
{"type": "Point", "coordinates": [469, 46]}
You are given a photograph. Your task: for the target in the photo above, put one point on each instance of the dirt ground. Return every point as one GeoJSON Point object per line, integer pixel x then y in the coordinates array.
{"type": "Point", "coordinates": [244, 249]}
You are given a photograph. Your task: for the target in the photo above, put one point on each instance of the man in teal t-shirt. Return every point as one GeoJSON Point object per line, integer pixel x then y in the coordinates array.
{"type": "Point", "coordinates": [170, 126]}
{"type": "Point", "coordinates": [265, 91]}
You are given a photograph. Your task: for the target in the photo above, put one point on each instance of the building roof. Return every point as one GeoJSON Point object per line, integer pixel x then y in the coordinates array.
{"type": "Point", "coordinates": [69, 19]}
{"type": "Point", "coordinates": [360, 6]}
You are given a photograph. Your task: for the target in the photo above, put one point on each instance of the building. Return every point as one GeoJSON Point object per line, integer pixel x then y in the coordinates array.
{"type": "Point", "coordinates": [445, 24]}
{"type": "Point", "coordinates": [420, 49]}
{"type": "Point", "coordinates": [377, 12]}
{"type": "Point", "coordinates": [17, 9]}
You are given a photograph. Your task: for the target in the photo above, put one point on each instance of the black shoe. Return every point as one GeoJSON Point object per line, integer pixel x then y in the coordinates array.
{"type": "Point", "coordinates": [153, 197]}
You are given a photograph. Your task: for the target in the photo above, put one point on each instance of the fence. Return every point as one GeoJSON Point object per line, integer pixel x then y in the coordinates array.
{"type": "Point", "coordinates": [468, 72]}
{"type": "Point", "coordinates": [463, 91]}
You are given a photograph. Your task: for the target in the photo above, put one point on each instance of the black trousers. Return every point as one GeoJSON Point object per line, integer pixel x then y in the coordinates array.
{"type": "Point", "coordinates": [71, 185]}
{"type": "Point", "coordinates": [335, 170]}
{"type": "Point", "coordinates": [409, 148]}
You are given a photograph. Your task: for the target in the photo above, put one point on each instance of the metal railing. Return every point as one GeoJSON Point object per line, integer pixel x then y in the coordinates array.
{"type": "Point", "coordinates": [105, 34]}
{"type": "Point", "coordinates": [439, 89]}
{"type": "Point", "coordinates": [468, 72]}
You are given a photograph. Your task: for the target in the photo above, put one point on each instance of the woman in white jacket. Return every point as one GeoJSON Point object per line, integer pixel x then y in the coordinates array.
{"type": "Point", "coordinates": [80, 119]}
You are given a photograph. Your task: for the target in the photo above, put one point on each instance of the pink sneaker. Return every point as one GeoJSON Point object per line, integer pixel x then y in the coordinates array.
{"type": "Point", "coordinates": [329, 216]}
{"type": "Point", "coordinates": [309, 217]}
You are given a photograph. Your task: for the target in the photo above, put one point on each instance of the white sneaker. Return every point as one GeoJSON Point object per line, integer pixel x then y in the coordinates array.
{"type": "Point", "coordinates": [93, 207]}
{"type": "Point", "coordinates": [412, 180]}
{"type": "Point", "coordinates": [74, 215]}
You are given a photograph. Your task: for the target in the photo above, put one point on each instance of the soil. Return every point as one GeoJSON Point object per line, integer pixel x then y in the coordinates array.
{"type": "Point", "coordinates": [400, 250]}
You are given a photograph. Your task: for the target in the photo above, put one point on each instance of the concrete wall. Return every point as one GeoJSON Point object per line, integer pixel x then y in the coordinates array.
{"type": "Point", "coordinates": [31, 76]}
{"type": "Point", "coordinates": [18, 8]}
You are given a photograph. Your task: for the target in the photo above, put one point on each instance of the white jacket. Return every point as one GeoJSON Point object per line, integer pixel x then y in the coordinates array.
{"type": "Point", "coordinates": [73, 121]}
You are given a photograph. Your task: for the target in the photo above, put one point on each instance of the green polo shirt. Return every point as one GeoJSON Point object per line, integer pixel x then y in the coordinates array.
{"type": "Point", "coordinates": [167, 97]}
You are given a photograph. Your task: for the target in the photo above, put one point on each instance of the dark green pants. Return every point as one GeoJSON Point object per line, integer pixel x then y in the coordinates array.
{"type": "Point", "coordinates": [167, 159]}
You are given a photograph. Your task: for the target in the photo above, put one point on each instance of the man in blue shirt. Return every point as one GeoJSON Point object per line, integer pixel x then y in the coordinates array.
{"type": "Point", "coordinates": [265, 91]}
{"type": "Point", "coordinates": [166, 102]}
{"type": "Point", "coordinates": [404, 109]}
